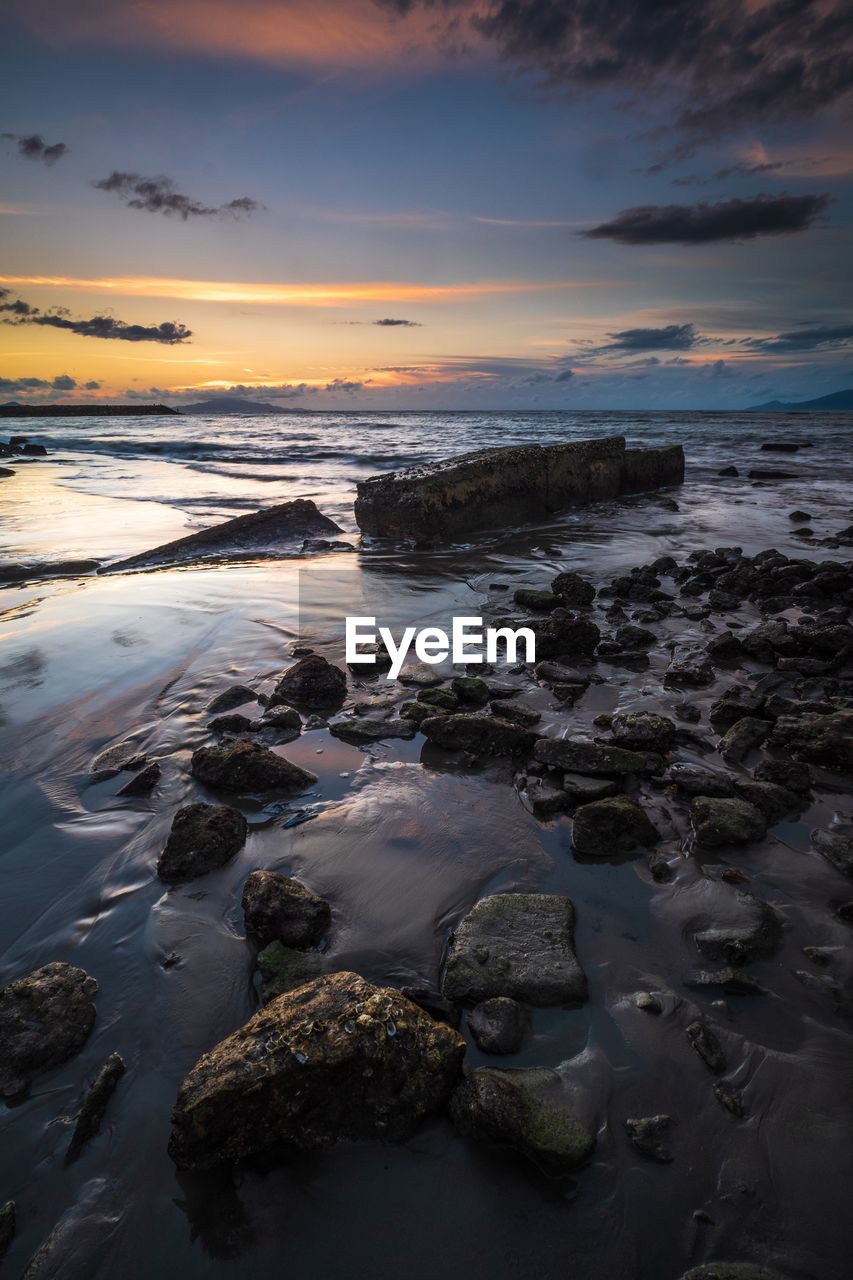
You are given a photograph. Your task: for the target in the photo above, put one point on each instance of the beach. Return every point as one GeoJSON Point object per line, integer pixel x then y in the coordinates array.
{"type": "Point", "coordinates": [402, 837]}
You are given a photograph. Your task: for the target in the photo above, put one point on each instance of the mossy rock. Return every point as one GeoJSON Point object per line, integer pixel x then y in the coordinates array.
{"type": "Point", "coordinates": [471, 689]}
{"type": "Point", "coordinates": [445, 699]}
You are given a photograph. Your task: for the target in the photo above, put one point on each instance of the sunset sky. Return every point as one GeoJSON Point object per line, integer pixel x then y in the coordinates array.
{"type": "Point", "coordinates": [390, 204]}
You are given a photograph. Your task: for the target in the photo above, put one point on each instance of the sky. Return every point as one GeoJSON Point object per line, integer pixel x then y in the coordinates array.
{"type": "Point", "coordinates": [426, 204]}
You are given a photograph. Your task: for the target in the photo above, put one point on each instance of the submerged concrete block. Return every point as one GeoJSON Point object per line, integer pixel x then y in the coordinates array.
{"type": "Point", "coordinates": [513, 485]}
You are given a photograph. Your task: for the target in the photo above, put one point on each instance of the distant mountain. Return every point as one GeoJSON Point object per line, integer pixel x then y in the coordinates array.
{"type": "Point", "coordinates": [233, 405]}
{"type": "Point", "coordinates": [838, 400]}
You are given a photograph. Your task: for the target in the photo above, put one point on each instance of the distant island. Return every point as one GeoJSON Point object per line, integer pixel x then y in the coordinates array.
{"type": "Point", "coordinates": [83, 410]}
{"type": "Point", "coordinates": [233, 405]}
{"type": "Point", "coordinates": [837, 400]}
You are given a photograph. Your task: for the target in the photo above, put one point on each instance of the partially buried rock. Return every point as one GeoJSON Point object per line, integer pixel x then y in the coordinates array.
{"type": "Point", "coordinates": [278, 908]}
{"type": "Point", "coordinates": [743, 736]}
{"type": "Point", "coordinates": [580, 789]}
{"type": "Point", "coordinates": [612, 826]}
{"type": "Point", "coordinates": [572, 636]}
{"type": "Point", "coordinates": [836, 848]}
{"type": "Point", "coordinates": [114, 760]}
{"type": "Point", "coordinates": [143, 783]}
{"type": "Point", "coordinates": [203, 838]}
{"type": "Point", "coordinates": [817, 739]}
{"type": "Point", "coordinates": [338, 1059]}
{"type": "Point", "coordinates": [791, 774]}
{"type": "Point", "coordinates": [358, 730]}
{"type": "Point", "coordinates": [499, 1025]}
{"type": "Point", "coordinates": [578, 755]}
{"type": "Point", "coordinates": [733, 981]}
{"type": "Point", "coordinates": [94, 1105]}
{"type": "Point", "coordinates": [643, 731]}
{"type": "Point", "coordinates": [753, 932]}
{"type": "Point", "coordinates": [573, 589]}
{"type": "Point", "coordinates": [719, 821]}
{"type": "Point", "coordinates": [312, 682]}
{"type": "Point", "coordinates": [45, 1019]}
{"type": "Point", "coordinates": [236, 695]}
{"type": "Point", "coordinates": [516, 713]}
{"type": "Point", "coordinates": [471, 689]}
{"type": "Point", "coordinates": [696, 780]}
{"type": "Point", "coordinates": [530, 598]}
{"type": "Point", "coordinates": [707, 1046]}
{"type": "Point", "coordinates": [479, 735]}
{"type": "Point", "coordinates": [648, 1135]}
{"type": "Point", "coordinates": [248, 768]}
{"type": "Point", "coordinates": [519, 945]}
{"type": "Point", "coordinates": [284, 968]}
{"type": "Point", "coordinates": [531, 1111]}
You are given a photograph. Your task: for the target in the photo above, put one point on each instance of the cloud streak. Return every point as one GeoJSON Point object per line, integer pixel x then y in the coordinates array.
{"type": "Point", "coordinates": [730, 220]}
{"type": "Point", "coordinates": [18, 312]}
{"type": "Point", "coordinates": [32, 146]}
{"type": "Point", "coordinates": [160, 195]}
{"type": "Point", "coordinates": [671, 337]}
{"type": "Point", "coordinates": [808, 337]}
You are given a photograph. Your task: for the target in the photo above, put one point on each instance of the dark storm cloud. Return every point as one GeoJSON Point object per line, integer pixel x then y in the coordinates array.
{"type": "Point", "coordinates": [32, 146]}
{"type": "Point", "coordinates": [159, 195]}
{"type": "Point", "coordinates": [170, 332]}
{"type": "Point", "coordinates": [62, 382]}
{"type": "Point", "coordinates": [710, 223]}
{"type": "Point", "coordinates": [390, 323]}
{"type": "Point", "coordinates": [344, 384]}
{"type": "Point", "coordinates": [671, 337]}
{"type": "Point", "coordinates": [808, 337]}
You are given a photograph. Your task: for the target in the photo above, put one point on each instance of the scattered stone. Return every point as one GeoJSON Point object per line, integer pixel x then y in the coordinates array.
{"type": "Point", "coordinates": [696, 780]}
{"type": "Point", "coordinates": [827, 986]}
{"type": "Point", "coordinates": [773, 802]}
{"type": "Point", "coordinates": [573, 590]}
{"type": "Point", "coordinates": [837, 849]}
{"type": "Point", "coordinates": [687, 712]}
{"type": "Point", "coordinates": [278, 908]}
{"type": "Point", "coordinates": [94, 1105]}
{"type": "Point", "coordinates": [519, 945]}
{"type": "Point", "coordinates": [247, 768]}
{"type": "Point", "coordinates": [572, 636]}
{"type": "Point", "coordinates": [817, 739]}
{"type": "Point", "coordinates": [284, 968]}
{"type": "Point", "coordinates": [479, 735]}
{"type": "Point", "coordinates": [724, 648]}
{"type": "Point", "coordinates": [757, 934]}
{"type": "Point", "coordinates": [231, 722]}
{"type": "Point", "coordinates": [817, 955]}
{"type": "Point", "coordinates": [529, 1111]}
{"type": "Point", "coordinates": [417, 711]}
{"type": "Point", "coordinates": [471, 689]}
{"type": "Point", "coordinates": [358, 730]}
{"type": "Point", "coordinates": [707, 1046]}
{"type": "Point", "coordinates": [790, 774]}
{"type": "Point", "coordinates": [236, 695]}
{"type": "Point", "coordinates": [728, 471]}
{"type": "Point", "coordinates": [444, 699]}
{"type": "Point", "coordinates": [312, 682]}
{"type": "Point", "coordinates": [659, 869]}
{"type": "Point", "coordinates": [281, 717]}
{"type": "Point", "coordinates": [115, 760]}
{"type": "Point", "coordinates": [647, 1002]}
{"type": "Point", "coordinates": [528, 598]}
{"type": "Point", "coordinates": [515, 712]}
{"type": "Point", "coordinates": [719, 821]}
{"type": "Point", "coordinates": [45, 1019]}
{"type": "Point", "coordinates": [203, 838]}
{"type": "Point", "coordinates": [643, 731]}
{"type": "Point", "coordinates": [799, 516]}
{"type": "Point", "coordinates": [338, 1059]}
{"type": "Point", "coordinates": [690, 666]}
{"type": "Point", "coordinates": [578, 755]}
{"type": "Point", "coordinates": [729, 1098]}
{"type": "Point", "coordinates": [734, 875]}
{"type": "Point", "coordinates": [499, 1025]}
{"type": "Point", "coordinates": [733, 981]}
{"type": "Point", "coordinates": [612, 826]}
{"type": "Point", "coordinates": [743, 736]}
{"type": "Point", "coordinates": [648, 1136]}
{"type": "Point", "coordinates": [420, 674]}
{"type": "Point", "coordinates": [581, 788]}
{"type": "Point", "coordinates": [143, 783]}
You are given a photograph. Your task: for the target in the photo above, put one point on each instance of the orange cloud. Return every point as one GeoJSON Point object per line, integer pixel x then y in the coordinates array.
{"type": "Point", "coordinates": [292, 295]}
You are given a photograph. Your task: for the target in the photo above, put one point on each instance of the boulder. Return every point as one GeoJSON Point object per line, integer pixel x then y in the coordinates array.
{"type": "Point", "coordinates": [277, 908]}
{"type": "Point", "coordinates": [643, 731]}
{"type": "Point", "coordinates": [338, 1059]}
{"type": "Point", "coordinates": [203, 838]}
{"type": "Point", "coordinates": [471, 689]}
{"type": "Point", "coordinates": [274, 531]}
{"type": "Point", "coordinates": [530, 598]}
{"type": "Point", "coordinates": [516, 713]}
{"type": "Point", "coordinates": [817, 739]}
{"type": "Point", "coordinates": [581, 788]}
{"type": "Point", "coordinates": [772, 801]}
{"type": "Point", "coordinates": [648, 1134]}
{"type": "Point", "coordinates": [612, 826]}
{"type": "Point", "coordinates": [312, 682]}
{"type": "Point", "coordinates": [499, 1025]}
{"type": "Point", "coordinates": [444, 699]}
{"type": "Point", "coordinates": [578, 755]}
{"type": "Point", "coordinates": [519, 945]}
{"type": "Point", "coordinates": [753, 932]}
{"type": "Point", "coordinates": [247, 768]}
{"type": "Point", "coordinates": [573, 636]}
{"type": "Point", "coordinates": [721, 820]}
{"type": "Point", "coordinates": [236, 695]}
{"type": "Point", "coordinates": [284, 968]}
{"type": "Point", "coordinates": [791, 774]}
{"type": "Point", "coordinates": [358, 730]}
{"type": "Point", "coordinates": [696, 780]}
{"type": "Point", "coordinates": [744, 736]}
{"type": "Point", "coordinates": [530, 1111]}
{"type": "Point", "coordinates": [689, 666]}
{"type": "Point", "coordinates": [573, 590]}
{"type": "Point", "coordinates": [142, 783]}
{"type": "Point", "coordinates": [836, 848]}
{"type": "Point", "coordinates": [45, 1019]}
{"type": "Point", "coordinates": [479, 735]}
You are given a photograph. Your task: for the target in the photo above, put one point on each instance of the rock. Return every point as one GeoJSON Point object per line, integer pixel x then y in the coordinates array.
{"type": "Point", "coordinates": [631, 639]}
{"type": "Point", "coordinates": [729, 1271]}
{"type": "Point", "coordinates": [231, 722]}
{"type": "Point", "coordinates": [312, 682]}
{"type": "Point", "coordinates": [744, 736]}
{"type": "Point", "coordinates": [45, 1019]}
{"type": "Point", "coordinates": [143, 783]}
{"type": "Point", "coordinates": [5, 472]}
{"type": "Point", "coordinates": [735, 704]}
{"type": "Point", "coordinates": [580, 788]}
{"type": "Point", "coordinates": [236, 695]}
{"type": "Point", "coordinates": [781, 446]}
{"type": "Point", "coordinates": [613, 826]}
{"type": "Point", "coordinates": [729, 1098]}
{"type": "Point", "coordinates": [837, 849]}
{"type": "Point", "coordinates": [34, 450]}
{"type": "Point", "coordinates": [519, 945]}
{"type": "Point", "coordinates": [360, 729]}
{"type": "Point", "coordinates": [689, 666]}
{"type": "Point", "coordinates": [417, 711]}
{"type": "Point", "coordinates": [115, 760]}
{"type": "Point", "coordinates": [724, 648]}
{"type": "Point", "coordinates": [8, 1224]}
{"type": "Point", "coordinates": [494, 487]}
{"type": "Point", "coordinates": [479, 735]}
{"type": "Point", "coordinates": [544, 800]}
{"type": "Point", "coordinates": [499, 1025]}
{"type": "Point", "coordinates": [755, 933]}
{"type": "Point", "coordinates": [444, 699]}
{"type": "Point", "coordinates": [94, 1105]}
{"type": "Point", "coordinates": [471, 689]}
{"type": "Point", "coordinates": [687, 712]}
{"type": "Point", "coordinates": [528, 598]}
{"type": "Point", "coordinates": [555, 673]}
{"type": "Point", "coordinates": [529, 1111]}
{"type": "Point", "coordinates": [696, 780]}
{"type": "Point", "coordinates": [203, 838]}
{"type": "Point", "coordinates": [707, 1046]}
{"type": "Point", "coordinates": [573, 590]}
{"type": "Point", "coordinates": [338, 1059]}
{"type": "Point", "coordinates": [515, 713]}
{"type": "Point", "coordinates": [647, 1002]}
{"type": "Point", "coordinates": [274, 531]}
{"type": "Point", "coordinates": [732, 981]}
{"type": "Point", "coordinates": [578, 755]}
{"type": "Point", "coordinates": [728, 471]}
{"type": "Point", "coordinates": [284, 968]}
{"type": "Point", "coordinates": [643, 731]}
{"type": "Point", "coordinates": [828, 987]}
{"type": "Point", "coordinates": [790, 774]}
{"type": "Point", "coordinates": [281, 717]}
{"type": "Point", "coordinates": [277, 908]}
{"type": "Point", "coordinates": [773, 802]}
{"type": "Point", "coordinates": [648, 1136]}
{"type": "Point", "coordinates": [247, 768]}
{"type": "Point", "coordinates": [720, 820]}
{"type": "Point", "coordinates": [421, 674]}
{"type": "Point", "coordinates": [800, 516]}
{"type": "Point", "coordinates": [816, 739]}
{"type": "Point", "coordinates": [568, 637]}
